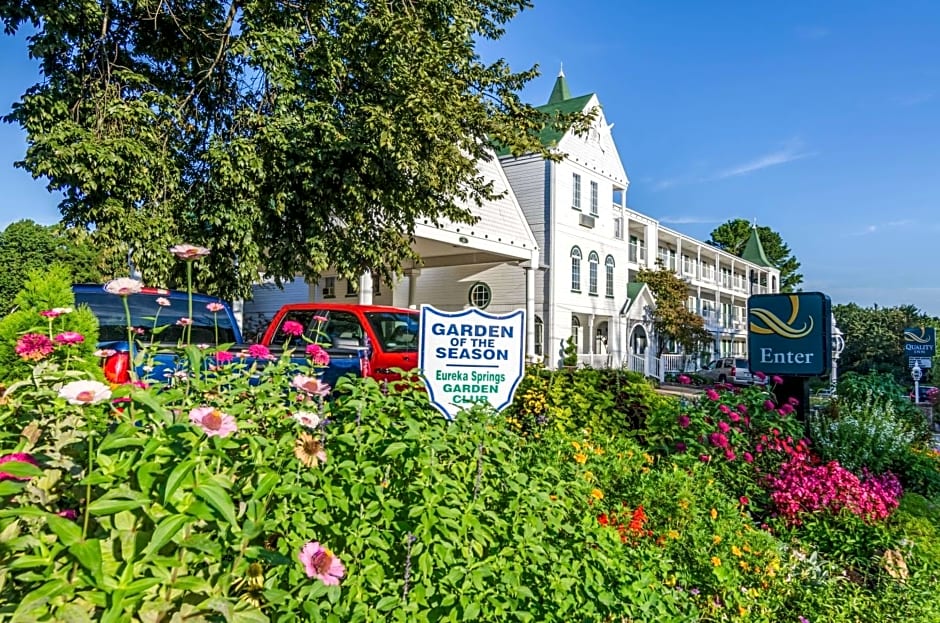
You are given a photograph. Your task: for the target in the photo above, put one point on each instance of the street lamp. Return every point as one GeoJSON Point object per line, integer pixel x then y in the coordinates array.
{"type": "Point", "coordinates": [916, 374]}
{"type": "Point", "coordinates": [838, 345]}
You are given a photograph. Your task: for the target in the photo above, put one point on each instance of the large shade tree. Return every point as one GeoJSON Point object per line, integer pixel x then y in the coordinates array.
{"type": "Point", "coordinates": [286, 136]}
{"type": "Point", "coordinates": [733, 235]}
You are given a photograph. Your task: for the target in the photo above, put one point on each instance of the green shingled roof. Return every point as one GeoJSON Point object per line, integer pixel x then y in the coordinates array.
{"type": "Point", "coordinates": [754, 250]}
{"type": "Point", "coordinates": [559, 101]}
{"type": "Point", "coordinates": [633, 293]}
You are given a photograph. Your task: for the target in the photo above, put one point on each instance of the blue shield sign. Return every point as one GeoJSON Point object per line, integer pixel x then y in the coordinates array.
{"type": "Point", "coordinates": [920, 341]}
{"type": "Point", "coordinates": [471, 357]}
{"type": "Point", "coordinates": [790, 334]}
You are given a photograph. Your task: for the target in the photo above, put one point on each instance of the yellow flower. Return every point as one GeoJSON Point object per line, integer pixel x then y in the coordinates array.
{"type": "Point", "coordinates": [648, 458]}
{"type": "Point", "coordinates": [716, 539]}
{"type": "Point", "coordinates": [714, 514]}
{"type": "Point", "coordinates": [743, 564]}
{"type": "Point", "coordinates": [670, 581]}
{"type": "Point", "coordinates": [580, 457]}
{"type": "Point", "coordinates": [589, 475]}
{"type": "Point", "coordinates": [576, 445]}
{"type": "Point", "coordinates": [716, 561]}
{"type": "Point", "coordinates": [683, 504]}
{"type": "Point", "coordinates": [736, 550]}
{"type": "Point", "coordinates": [597, 494]}
{"type": "Point", "coordinates": [673, 534]}
{"type": "Point", "coordinates": [742, 610]}
{"type": "Point", "coordinates": [598, 451]}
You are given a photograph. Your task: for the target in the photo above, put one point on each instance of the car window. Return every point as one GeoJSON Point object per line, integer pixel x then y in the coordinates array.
{"type": "Point", "coordinates": [741, 363]}
{"type": "Point", "coordinates": [395, 331]}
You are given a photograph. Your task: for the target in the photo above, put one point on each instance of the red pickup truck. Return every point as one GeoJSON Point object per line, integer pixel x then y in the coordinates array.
{"type": "Point", "coordinates": [390, 333]}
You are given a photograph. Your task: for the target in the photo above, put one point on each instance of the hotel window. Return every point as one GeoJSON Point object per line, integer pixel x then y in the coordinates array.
{"type": "Point", "coordinates": [576, 331]}
{"type": "Point", "coordinates": [575, 191]}
{"type": "Point", "coordinates": [618, 227]}
{"type": "Point", "coordinates": [539, 335]}
{"type": "Point", "coordinates": [352, 287]}
{"type": "Point", "coordinates": [329, 287]}
{"type": "Point", "coordinates": [594, 198]}
{"type": "Point", "coordinates": [575, 269]}
{"type": "Point", "coordinates": [480, 295]}
{"type": "Point", "coordinates": [593, 261]}
{"type": "Point", "coordinates": [609, 284]}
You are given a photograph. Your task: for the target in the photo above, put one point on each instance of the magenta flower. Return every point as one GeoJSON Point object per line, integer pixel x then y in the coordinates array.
{"type": "Point", "coordinates": [189, 252]}
{"type": "Point", "coordinates": [712, 394]}
{"type": "Point", "coordinates": [681, 447]}
{"type": "Point", "coordinates": [55, 312]}
{"type": "Point", "coordinates": [683, 379]}
{"type": "Point", "coordinates": [718, 440]}
{"type": "Point", "coordinates": [704, 458]}
{"type": "Point", "coordinates": [33, 346]}
{"type": "Point", "coordinates": [748, 457]}
{"type": "Point", "coordinates": [684, 421]}
{"type": "Point", "coordinates": [18, 457]}
{"type": "Point", "coordinates": [320, 319]}
{"type": "Point", "coordinates": [734, 417]}
{"type": "Point", "coordinates": [69, 337]}
{"type": "Point", "coordinates": [769, 405]}
{"type": "Point", "coordinates": [68, 513]}
{"type": "Point", "coordinates": [215, 307]}
{"type": "Point", "coordinates": [321, 563]}
{"type": "Point", "coordinates": [760, 375]}
{"type": "Point", "coordinates": [793, 400]}
{"type": "Point", "coordinates": [776, 380]}
{"type": "Point", "coordinates": [730, 455]}
{"type": "Point", "coordinates": [259, 351]}
{"type": "Point", "coordinates": [223, 356]}
{"type": "Point", "coordinates": [318, 356]}
{"type": "Point", "coordinates": [293, 328]}
{"type": "Point", "coordinates": [724, 409]}
{"type": "Point", "coordinates": [724, 427]}
{"type": "Point", "coordinates": [742, 408]}
{"type": "Point", "coordinates": [213, 422]}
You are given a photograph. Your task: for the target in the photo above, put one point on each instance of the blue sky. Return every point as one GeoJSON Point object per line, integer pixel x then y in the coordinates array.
{"type": "Point", "coordinates": [818, 119]}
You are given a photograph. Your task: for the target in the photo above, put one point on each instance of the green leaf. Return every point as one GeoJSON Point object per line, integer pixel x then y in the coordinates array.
{"type": "Point", "coordinates": [109, 507]}
{"type": "Point", "coordinates": [88, 554]}
{"type": "Point", "coordinates": [394, 449]}
{"type": "Point", "coordinates": [10, 487]}
{"type": "Point", "coordinates": [164, 532]}
{"type": "Point", "coordinates": [21, 469]}
{"type": "Point", "coordinates": [149, 400]}
{"type": "Point", "coordinates": [387, 603]}
{"type": "Point", "coordinates": [471, 612]}
{"type": "Point", "coordinates": [218, 498]}
{"type": "Point", "coordinates": [67, 530]}
{"type": "Point", "coordinates": [175, 478]}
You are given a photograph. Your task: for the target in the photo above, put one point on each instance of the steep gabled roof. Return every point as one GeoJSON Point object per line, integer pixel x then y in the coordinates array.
{"type": "Point", "coordinates": [754, 250]}
{"type": "Point", "coordinates": [634, 290]}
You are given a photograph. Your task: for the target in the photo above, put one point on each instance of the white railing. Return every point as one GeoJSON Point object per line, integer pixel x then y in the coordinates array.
{"type": "Point", "coordinates": [673, 364]}
{"type": "Point", "coordinates": [596, 361]}
{"type": "Point", "coordinates": [637, 363]}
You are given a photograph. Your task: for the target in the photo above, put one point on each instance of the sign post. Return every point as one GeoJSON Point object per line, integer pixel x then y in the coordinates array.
{"type": "Point", "coordinates": [471, 357]}
{"type": "Point", "coordinates": [916, 375]}
{"type": "Point", "coordinates": [790, 335]}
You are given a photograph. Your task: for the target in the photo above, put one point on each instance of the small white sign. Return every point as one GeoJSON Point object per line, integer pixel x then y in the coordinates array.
{"type": "Point", "coordinates": [922, 362]}
{"type": "Point", "coordinates": [471, 357]}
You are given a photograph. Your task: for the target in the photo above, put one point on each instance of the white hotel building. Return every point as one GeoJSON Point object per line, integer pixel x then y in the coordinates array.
{"type": "Point", "coordinates": [563, 244]}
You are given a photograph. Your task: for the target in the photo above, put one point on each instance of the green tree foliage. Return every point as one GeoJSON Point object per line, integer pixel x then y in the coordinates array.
{"type": "Point", "coordinates": [732, 237]}
{"type": "Point", "coordinates": [874, 338]}
{"type": "Point", "coordinates": [26, 246]}
{"type": "Point", "coordinates": [671, 319]}
{"type": "Point", "coordinates": [288, 136]}
{"type": "Point", "coordinates": [46, 289]}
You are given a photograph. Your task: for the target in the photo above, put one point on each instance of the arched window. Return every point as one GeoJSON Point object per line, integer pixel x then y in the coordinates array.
{"type": "Point", "coordinates": [575, 269]}
{"type": "Point", "coordinates": [480, 295]}
{"type": "Point", "coordinates": [539, 335]}
{"type": "Point", "coordinates": [609, 284]}
{"type": "Point", "coordinates": [593, 261]}
{"type": "Point", "coordinates": [576, 331]}
{"type": "Point", "coordinates": [773, 284]}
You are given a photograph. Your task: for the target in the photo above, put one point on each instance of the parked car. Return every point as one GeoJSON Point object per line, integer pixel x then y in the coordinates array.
{"type": "Point", "coordinates": [390, 334]}
{"type": "Point", "coordinates": [155, 324]}
{"type": "Point", "coordinates": [924, 393]}
{"type": "Point", "coordinates": [733, 370]}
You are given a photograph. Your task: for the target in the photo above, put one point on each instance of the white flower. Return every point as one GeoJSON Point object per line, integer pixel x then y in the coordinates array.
{"type": "Point", "coordinates": [62, 310]}
{"type": "Point", "coordinates": [124, 286]}
{"type": "Point", "coordinates": [163, 301]}
{"type": "Point", "coordinates": [307, 419]}
{"type": "Point", "coordinates": [85, 392]}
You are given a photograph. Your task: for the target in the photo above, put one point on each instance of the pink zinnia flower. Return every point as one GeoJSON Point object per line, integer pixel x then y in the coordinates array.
{"type": "Point", "coordinates": [683, 379]}
{"type": "Point", "coordinates": [724, 427]}
{"type": "Point", "coordinates": [125, 286]}
{"type": "Point", "coordinates": [321, 563]}
{"type": "Point", "coordinates": [292, 327]}
{"type": "Point", "coordinates": [105, 352]}
{"type": "Point", "coordinates": [734, 417]}
{"type": "Point", "coordinates": [684, 421]}
{"type": "Point", "coordinates": [185, 322]}
{"type": "Point", "coordinates": [724, 409]}
{"type": "Point", "coordinates": [776, 380]}
{"type": "Point", "coordinates": [18, 457]}
{"type": "Point", "coordinates": [68, 513]}
{"type": "Point", "coordinates": [33, 346]}
{"type": "Point", "coordinates": [307, 419]}
{"type": "Point", "coordinates": [760, 375]}
{"type": "Point", "coordinates": [793, 400]}
{"type": "Point", "coordinates": [162, 301]}
{"type": "Point", "coordinates": [259, 351]}
{"type": "Point", "coordinates": [769, 405]}
{"type": "Point", "coordinates": [730, 455]}
{"type": "Point", "coordinates": [318, 356]}
{"type": "Point", "coordinates": [189, 252]}
{"type": "Point", "coordinates": [213, 422]}
{"type": "Point", "coordinates": [742, 408]}
{"type": "Point", "coordinates": [69, 337]}
{"type": "Point", "coordinates": [704, 458]}
{"type": "Point", "coordinates": [223, 356]}
{"type": "Point", "coordinates": [55, 313]}
{"type": "Point", "coordinates": [320, 318]}
{"type": "Point", "coordinates": [712, 394]}
{"type": "Point", "coordinates": [85, 392]}
{"type": "Point", "coordinates": [215, 307]}
{"type": "Point", "coordinates": [310, 385]}
{"type": "Point", "coordinates": [748, 457]}
{"type": "Point", "coordinates": [718, 440]}
{"type": "Point", "coordinates": [681, 447]}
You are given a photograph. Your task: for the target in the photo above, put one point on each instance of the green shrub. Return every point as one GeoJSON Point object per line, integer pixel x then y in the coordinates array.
{"type": "Point", "coordinates": [855, 388]}
{"type": "Point", "coordinates": [43, 291]}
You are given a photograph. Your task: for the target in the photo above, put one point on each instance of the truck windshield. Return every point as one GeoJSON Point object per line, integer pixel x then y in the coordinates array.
{"type": "Point", "coordinates": [112, 323]}
{"type": "Point", "coordinates": [396, 331]}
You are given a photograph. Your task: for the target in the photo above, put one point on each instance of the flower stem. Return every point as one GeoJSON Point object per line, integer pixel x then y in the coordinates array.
{"type": "Point", "coordinates": [131, 365]}
{"type": "Point", "coordinates": [91, 459]}
{"type": "Point", "coordinates": [189, 291]}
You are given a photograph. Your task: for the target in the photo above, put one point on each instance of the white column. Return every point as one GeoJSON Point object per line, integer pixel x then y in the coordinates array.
{"type": "Point", "coordinates": [590, 337]}
{"type": "Point", "coordinates": [530, 311]}
{"type": "Point", "coordinates": [365, 288]}
{"type": "Point", "coordinates": [413, 275]}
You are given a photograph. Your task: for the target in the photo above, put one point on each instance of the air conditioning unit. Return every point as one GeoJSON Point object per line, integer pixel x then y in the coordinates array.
{"type": "Point", "coordinates": [586, 220]}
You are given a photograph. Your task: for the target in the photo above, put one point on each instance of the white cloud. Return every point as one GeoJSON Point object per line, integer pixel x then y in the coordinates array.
{"type": "Point", "coordinates": [772, 159]}
{"type": "Point", "coordinates": [687, 220]}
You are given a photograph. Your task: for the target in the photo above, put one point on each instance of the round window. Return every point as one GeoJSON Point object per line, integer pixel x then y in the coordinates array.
{"type": "Point", "coordinates": [480, 295]}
